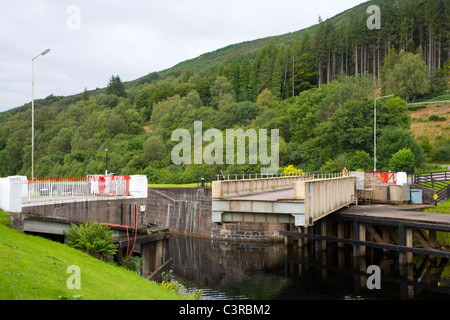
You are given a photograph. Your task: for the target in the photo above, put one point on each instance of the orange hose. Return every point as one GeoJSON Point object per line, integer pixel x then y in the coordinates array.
{"type": "Point", "coordinates": [135, 220]}
{"type": "Point", "coordinates": [128, 256]}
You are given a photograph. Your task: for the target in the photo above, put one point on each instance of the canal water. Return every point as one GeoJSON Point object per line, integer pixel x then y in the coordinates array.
{"type": "Point", "coordinates": [255, 271]}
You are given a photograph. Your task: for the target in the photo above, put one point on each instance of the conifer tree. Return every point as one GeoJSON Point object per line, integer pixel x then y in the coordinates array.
{"type": "Point", "coordinates": [115, 86]}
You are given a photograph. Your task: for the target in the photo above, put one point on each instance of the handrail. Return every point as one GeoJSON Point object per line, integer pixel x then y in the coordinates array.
{"type": "Point", "coordinates": [443, 194]}
{"type": "Point", "coordinates": [252, 176]}
{"type": "Point", "coordinates": [93, 185]}
{"type": "Point", "coordinates": [435, 178]}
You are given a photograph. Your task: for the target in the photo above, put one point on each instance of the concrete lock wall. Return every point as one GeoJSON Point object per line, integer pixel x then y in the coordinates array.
{"type": "Point", "coordinates": [188, 211]}
{"type": "Point", "coordinates": [108, 210]}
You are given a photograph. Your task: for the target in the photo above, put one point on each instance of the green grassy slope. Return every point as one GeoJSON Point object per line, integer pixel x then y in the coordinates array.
{"type": "Point", "coordinates": [34, 268]}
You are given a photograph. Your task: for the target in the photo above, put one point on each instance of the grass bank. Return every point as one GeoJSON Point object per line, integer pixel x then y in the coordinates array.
{"type": "Point", "coordinates": [443, 208]}
{"type": "Point", "coordinates": [34, 268]}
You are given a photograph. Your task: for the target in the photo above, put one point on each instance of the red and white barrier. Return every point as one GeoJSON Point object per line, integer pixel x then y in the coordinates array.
{"type": "Point", "coordinates": [110, 185]}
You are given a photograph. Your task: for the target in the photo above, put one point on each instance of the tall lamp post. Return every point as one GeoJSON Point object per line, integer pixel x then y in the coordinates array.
{"type": "Point", "coordinates": [106, 166]}
{"type": "Point", "coordinates": [32, 110]}
{"type": "Point", "coordinates": [375, 131]}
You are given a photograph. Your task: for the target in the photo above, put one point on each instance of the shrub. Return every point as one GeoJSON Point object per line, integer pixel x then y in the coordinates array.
{"type": "Point", "coordinates": [402, 159]}
{"type": "Point", "coordinates": [441, 154]}
{"type": "Point", "coordinates": [292, 170]}
{"type": "Point", "coordinates": [435, 117]}
{"type": "Point", "coordinates": [93, 238]}
{"type": "Point", "coordinates": [133, 264]}
{"type": "Point", "coordinates": [336, 165]}
{"type": "Point", "coordinates": [361, 161]}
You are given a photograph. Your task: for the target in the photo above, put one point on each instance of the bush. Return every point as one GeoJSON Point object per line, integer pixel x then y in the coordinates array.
{"type": "Point", "coordinates": [361, 161]}
{"type": "Point", "coordinates": [292, 170]}
{"type": "Point", "coordinates": [336, 165]}
{"type": "Point", "coordinates": [132, 264]}
{"type": "Point", "coordinates": [93, 238]}
{"type": "Point", "coordinates": [441, 154]}
{"type": "Point", "coordinates": [402, 159]}
{"type": "Point", "coordinates": [435, 117]}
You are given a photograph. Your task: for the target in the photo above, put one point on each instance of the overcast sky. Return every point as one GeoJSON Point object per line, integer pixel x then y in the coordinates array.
{"type": "Point", "coordinates": [92, 40]}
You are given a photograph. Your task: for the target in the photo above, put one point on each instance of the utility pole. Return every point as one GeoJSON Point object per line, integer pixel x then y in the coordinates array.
{"type": "Point", "coordinates": [32, 110]}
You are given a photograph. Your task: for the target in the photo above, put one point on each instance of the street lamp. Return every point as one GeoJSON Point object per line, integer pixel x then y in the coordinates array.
{"type": "Point", "coordinates": [375, 131]}
{"type": "Point", "coordinates": [32, 110]}
{"type": "Point", "coordinates": [106, 169]}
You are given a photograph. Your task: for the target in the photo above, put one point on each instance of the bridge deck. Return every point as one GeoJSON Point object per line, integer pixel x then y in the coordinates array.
{"type": "Point", "coordinates": [273, 196]}
{"type": "Point", "coordinates": [301, 200]}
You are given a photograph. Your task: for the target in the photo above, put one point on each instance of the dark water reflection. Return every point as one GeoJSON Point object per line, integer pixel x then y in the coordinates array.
{"type": "Point", "coordinates": [240, 271]}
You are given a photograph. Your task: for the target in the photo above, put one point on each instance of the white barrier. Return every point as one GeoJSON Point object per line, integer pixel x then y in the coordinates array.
{"type": "Point", "coordinates": [11, 194]}
{"type": "Point", "coordinates": [138, 186]}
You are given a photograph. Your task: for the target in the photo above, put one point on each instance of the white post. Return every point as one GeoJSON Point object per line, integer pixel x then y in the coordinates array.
{"type": "Point", "coordinates": [11, 194]}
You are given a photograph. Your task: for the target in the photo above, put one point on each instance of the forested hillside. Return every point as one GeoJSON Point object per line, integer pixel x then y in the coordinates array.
{"type": "Point", "coordinates": [316, 86]}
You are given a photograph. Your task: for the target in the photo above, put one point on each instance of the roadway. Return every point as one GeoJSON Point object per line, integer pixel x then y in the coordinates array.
{"type": "Point", "coordinates": [287, 194]}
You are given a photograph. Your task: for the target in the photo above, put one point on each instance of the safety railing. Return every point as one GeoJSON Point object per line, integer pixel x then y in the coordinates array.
{"type": "Point", "coordinates": [443, 194]}
{"type": "Point", "coordinates": [49, 189]}
{"type": "Point", "coordinates": [251, 176]}
{"type": "Point", "coordinates": [380, 177]}
{"type": "Point", "coordinates": [110, 185]}
{"type": "Point", "coordinates": [439, 181]}
{"type": "Point", "coordinates": [433, 180]}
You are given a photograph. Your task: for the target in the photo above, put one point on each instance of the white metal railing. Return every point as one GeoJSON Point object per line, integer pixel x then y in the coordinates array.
{"type": "Point", "coordinates": [250, 176]}
{"type": "Point", "coordinates": [48, 189]}
{"type": "Point", "coordinates": [52, 188]}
